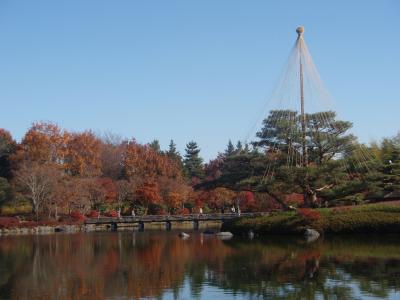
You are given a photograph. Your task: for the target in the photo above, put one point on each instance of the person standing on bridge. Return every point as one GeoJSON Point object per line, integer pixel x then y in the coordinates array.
{"type": "Point", "coordinates": [133, 212]}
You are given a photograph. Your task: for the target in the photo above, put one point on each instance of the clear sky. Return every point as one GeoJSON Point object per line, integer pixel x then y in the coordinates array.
{"type": "Point", "coordinates": [186, 70]}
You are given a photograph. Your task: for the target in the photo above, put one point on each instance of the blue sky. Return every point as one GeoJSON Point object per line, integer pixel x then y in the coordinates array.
{"type": "Point", "coordinates": [186, 70]}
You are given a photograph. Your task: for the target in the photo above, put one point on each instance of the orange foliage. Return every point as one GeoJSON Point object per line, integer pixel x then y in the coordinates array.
{"type": "Point", "coordinates": [147, 194]}
{"type": "Point", "coordinates": [44, 143]}
{"type": "Point", "coordinates": [110, 189]}
{"type": "Point", "coordinates": [294, 199]}
{"type": "Point", "coordinates": [221, 197]}
{"type": "Point", "coordinates": [309, 214]}
{"type": "Point", "coordinates": [142, 161]}
{"type": "Point", "coordinates": [83, 154]}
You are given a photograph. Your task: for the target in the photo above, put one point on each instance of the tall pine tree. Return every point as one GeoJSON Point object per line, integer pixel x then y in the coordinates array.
{"type": "Point", "coordinates": [172, 152]}
{"type": "Point", "coordinates": [193, 162]}
{"type": "Point", "coordinates": [230, 149]}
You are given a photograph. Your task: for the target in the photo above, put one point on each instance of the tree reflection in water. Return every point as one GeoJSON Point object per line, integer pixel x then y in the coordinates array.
{"type": "Point", "coordinates": [153, 264]}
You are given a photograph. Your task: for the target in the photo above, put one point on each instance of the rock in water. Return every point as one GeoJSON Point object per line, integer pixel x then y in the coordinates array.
{"type": "Point", "coordinates": [184, 235]}
{"type": "Point", "coordinates": [224, 235]}
{"type": "Point", "coordinates": [311, 234]}
{"type": "Point", "coordinates": [250, 234]}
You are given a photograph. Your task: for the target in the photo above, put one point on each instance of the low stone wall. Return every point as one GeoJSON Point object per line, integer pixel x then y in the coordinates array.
{"type": "Point", "coordinates": [46, 229]}
{"type": "Point", "coordinates": [91, 227]}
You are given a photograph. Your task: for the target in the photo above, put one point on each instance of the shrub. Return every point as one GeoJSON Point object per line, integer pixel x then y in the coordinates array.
{"type": "Point", "coordinates": [309, 214]}
{"type": "Point", "coordinates": [19, 209]}
{"type": "Point", "coordinates": [6, 222]}
{"type": "Point", "coordinates": [183, 211]}
{"type": "Point", "coordinates": [93, 214]}
{"type": "Point", "coordinates": [111, 214]}
{"type": "Point", "coordinates": [77, 216]}
{"type": "Point", "coordinates": [364, 222]}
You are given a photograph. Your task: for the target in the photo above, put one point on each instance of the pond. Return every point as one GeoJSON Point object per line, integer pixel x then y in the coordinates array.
{"type": "Point", "coordinates": [160, 265]}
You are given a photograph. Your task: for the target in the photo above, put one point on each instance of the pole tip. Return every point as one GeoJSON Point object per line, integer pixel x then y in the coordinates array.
{"type": "Point", "coordinates": [300, 30]}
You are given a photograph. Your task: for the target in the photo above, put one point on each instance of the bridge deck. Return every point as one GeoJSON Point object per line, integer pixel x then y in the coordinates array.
{"type": "Point", "coordinates": [171, 218]}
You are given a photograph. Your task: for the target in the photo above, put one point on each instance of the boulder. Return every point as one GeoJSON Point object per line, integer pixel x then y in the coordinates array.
{"type": "Point", "coordinates": [250, 234]}
{"type": "Point", "coordinates": [224, 235]}
{"type": "Point", "coordinates": [183, 235]}
{"type": "Point", "coordinates": [311, 234]}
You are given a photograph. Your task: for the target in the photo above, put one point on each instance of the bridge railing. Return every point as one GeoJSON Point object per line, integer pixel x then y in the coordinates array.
{"type": "Point", "coordinates": [166, 218]}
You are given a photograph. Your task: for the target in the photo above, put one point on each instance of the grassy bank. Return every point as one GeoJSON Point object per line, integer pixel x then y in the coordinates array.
{"type": "Point", "coordinates": [363, 219]}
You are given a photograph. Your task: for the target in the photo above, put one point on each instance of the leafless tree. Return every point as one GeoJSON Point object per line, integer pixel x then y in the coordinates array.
{"type": "Point", "coordinates": [38, 181]}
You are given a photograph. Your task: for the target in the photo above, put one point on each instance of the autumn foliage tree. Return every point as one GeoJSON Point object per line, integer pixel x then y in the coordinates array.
{"type": "Point", "coordinates": [43, 143]}
{"type": "Point", "coordinates": [148, 194]}
{"type": "Point", "coordinates": [83, 154]}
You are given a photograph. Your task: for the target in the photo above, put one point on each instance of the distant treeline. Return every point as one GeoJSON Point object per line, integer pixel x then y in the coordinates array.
{"type": "Point", "coordinates": [54, 171]}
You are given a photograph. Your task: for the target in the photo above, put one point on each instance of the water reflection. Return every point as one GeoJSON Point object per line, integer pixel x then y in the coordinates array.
{"type": "Point", "coordinates": [161, 265]}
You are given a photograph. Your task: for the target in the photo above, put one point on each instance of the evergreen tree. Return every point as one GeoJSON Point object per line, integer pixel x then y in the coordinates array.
{"type": "Point", "coordinates": [172, 152]}
{"type": "Point", "coordinates": [230, 149]}
{"type": "Point", "coordinates": [5, 190]}
{"type": "Point", "coordinates": [155, 145]}
{"type": "Point", "coordinates": [390, 156]}
{"type": "Point", "coordinates": [7, 148]}
{"type": "Point", "coordinates": [246, 148]}
{"type": "Point", "coordinates": [239, 147]}
{"type": "Point", "coordinates": [193, 162]}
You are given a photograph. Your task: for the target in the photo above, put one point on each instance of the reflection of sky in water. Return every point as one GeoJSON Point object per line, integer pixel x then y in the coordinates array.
{"type": "Point", "coordinates": [159, 265]}
{"type": "Point", "coordinates": [208, 291]}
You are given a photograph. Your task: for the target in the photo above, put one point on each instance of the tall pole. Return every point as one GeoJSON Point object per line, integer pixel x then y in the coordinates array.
{"type": "Point", "coordinates": [300, 31]}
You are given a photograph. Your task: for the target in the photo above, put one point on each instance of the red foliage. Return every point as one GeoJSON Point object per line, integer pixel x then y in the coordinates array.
{"type": "Point", "coordinates": [184, 211]}
{"type": "Point", "coordinates": [148, 193]}
{"type": "Point", "coordinates": [111, 214]}
{"type": "Point", "coordinates": [6, 222]}
{"type": "Point", "coordinates": [294, 199]}
{"type": "Point", "coordinates": [341, 209]}
{"type": "Point", "coordinates": [309, 214]}
{"type": "Point", "coordinates": [77, 216]}
{"type": "Point", "coordinates": [247, 201]}
{"type": "Point", "coordinates": [109, 187]}
{"type": "Point", "coordinates": [93, 214]}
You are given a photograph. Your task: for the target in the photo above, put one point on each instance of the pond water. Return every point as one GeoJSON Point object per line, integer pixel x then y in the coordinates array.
{"type": "Point", "coordinates": [160, 265]}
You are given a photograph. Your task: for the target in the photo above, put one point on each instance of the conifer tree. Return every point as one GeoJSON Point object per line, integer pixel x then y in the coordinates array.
{"type": "Point", "coordinates": [239, 147]}
{"type": "Point", "coordinates": [230, 149]}
{"type": "Point", "coordinates": [155, 145]}
{"type": "Point", "coordinates": [193, 162]}
{"type": "Point", "coordinates": [172, 152]}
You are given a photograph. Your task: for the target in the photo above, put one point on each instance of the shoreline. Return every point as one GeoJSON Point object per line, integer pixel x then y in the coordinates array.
{"type": "Point", "coordinates": [82, 227]}
{"type": "Point", "coordinates": [46, 229]}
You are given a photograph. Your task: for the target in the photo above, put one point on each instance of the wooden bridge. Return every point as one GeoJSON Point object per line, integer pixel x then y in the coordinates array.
{"type": "Point", "coordinates": [167, 219]}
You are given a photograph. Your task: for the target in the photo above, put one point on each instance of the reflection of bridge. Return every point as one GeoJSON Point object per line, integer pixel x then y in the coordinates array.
{"type": "Point", "coordinates": [168, 219]}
